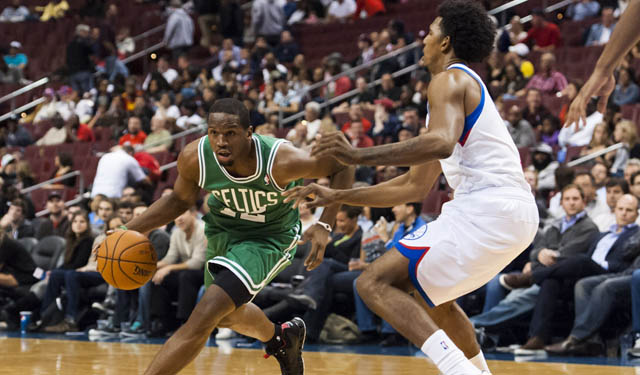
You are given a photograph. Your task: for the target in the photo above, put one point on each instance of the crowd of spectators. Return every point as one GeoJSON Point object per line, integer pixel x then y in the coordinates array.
{"type": "Point", "coordinates": [584, 256]}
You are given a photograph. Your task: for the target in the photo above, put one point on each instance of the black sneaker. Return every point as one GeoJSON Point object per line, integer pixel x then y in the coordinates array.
{"type": "Point", "coordinates": [288, 350]}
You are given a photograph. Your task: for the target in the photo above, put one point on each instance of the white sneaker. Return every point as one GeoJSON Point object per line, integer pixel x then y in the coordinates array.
{"type": "Point", "coordinates": [225, 334]}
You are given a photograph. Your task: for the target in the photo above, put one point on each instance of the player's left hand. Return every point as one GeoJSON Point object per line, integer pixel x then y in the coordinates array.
{"type": "Point", "coordinates": [597, 85]}
{"type": "Point", "coordinates": [335, 145]}
{"type": "Point", "coordinates": [319, 237]}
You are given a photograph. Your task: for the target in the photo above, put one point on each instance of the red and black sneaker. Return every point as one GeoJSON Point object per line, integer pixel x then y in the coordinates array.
{"type": "Point", "coordinates": [287, 347]}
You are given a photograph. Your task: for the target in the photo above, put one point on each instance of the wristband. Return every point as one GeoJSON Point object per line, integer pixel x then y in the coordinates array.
{"type": "Point", "coordinates": [123, 227]}
{"type": "Point", "coordinates": [324, 225]}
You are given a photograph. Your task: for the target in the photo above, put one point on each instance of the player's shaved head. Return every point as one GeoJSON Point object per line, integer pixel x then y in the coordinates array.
{"type": "Point", "coordinates": [232, 107]}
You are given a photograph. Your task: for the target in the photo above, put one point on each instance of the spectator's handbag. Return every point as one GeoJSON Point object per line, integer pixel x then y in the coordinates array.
{"type": "Point", "coordinates": [339, 330]}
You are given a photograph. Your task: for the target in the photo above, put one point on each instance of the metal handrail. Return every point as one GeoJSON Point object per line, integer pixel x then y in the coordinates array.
{"type": "Point", "coordinates": [140, 54]}
{"type": "Point", "coordinates": [506, 6]}
{"type": "Point", "coordinates": [594, 155]}
{"type": "Point", "coordinates": [152, 31]}
{"type": "Point", "coordinates": [22, 90]}
{"type": "Point", "coordinates": [56, 179]}
{"type": "Point", "coordinates": [22, 108]}
{"type": "Point", "coordinates": [351, 93]}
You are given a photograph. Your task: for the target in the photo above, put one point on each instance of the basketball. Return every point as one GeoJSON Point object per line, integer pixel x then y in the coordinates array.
{"type": "Point", "coordinates": [126, 260]}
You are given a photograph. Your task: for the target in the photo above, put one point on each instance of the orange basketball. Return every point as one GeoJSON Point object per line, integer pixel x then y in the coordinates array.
{"type": "Point", "coordinates": [126, 260]}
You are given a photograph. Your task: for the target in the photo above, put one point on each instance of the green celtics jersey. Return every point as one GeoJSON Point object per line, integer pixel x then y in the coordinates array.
{"type": "Point", "coordinates": [247, 206]}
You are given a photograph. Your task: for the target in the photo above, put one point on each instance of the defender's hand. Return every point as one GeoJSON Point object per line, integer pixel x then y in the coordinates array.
{"type": "Point", "coordinates": [597, 85]}
{"type": "Point", "coordinates": [335, 145]}
{"type": "Point", "coordinates": [319, 238]}
{"type": "Point", "coordinates": [322, 196]}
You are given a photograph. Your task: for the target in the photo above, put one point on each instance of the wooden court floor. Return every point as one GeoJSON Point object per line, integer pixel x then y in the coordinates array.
{"type": "Point", "coordinates": [67, 357]}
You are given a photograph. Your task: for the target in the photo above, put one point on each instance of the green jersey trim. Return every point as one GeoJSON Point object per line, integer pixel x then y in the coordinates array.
{"type": "Point", "coordinates": [244, 180]}
{"type": "Point", "coordinates": [272, 157]}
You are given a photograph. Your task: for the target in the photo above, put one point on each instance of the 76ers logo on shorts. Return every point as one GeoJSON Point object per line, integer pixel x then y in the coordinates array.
{"type": "Point", "coordinates": [416, 234]}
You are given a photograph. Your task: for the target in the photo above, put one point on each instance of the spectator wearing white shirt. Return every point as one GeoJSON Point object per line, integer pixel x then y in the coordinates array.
{"type": "Point", "coordinates": [178, 34]}
{"type": "Point", "coordinates": [115, 171]}
{"type": "Point", "coordinates": [600, 33]}
{"type": "Point", "coordinates": [189, 116]}
{"type": "Point", "coordinates": [286, 99]}
{"type": "Point", "coordinates": [14, 13]}
{"type": "Point", "coordinates": [340, 10]}
{"type": "Point", "coordinates": [165, 107]}
{"type": "Point", "coordinates": [168, 73]}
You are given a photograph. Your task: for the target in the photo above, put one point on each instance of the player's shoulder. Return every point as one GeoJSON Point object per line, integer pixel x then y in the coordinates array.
{"type": "Point", "coordinates": [448, 82]}
{"type": "Point", "coordinates": [188, 163]}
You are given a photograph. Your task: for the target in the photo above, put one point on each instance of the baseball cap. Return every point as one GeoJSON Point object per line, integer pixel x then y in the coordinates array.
{"type": "Point", "coordinates": [7, 159]}
{"type": "Point", "coordinates": [544, 148]}
{"type": "Point", "coordinates": [521, 49]}
{"type": "Point", "coordinates": [54, 194]}
{"type": "Point", "coordinates": [386, 103]}
{"type": "Point", "coordinates": [15, 44]}
{"type": "Point", "coordinates": [49, 92]}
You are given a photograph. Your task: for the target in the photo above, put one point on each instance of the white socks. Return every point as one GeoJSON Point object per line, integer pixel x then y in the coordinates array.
{"type": "Point", "coordinates": [446, 355]}
{"type": "Point", "coordinates": [479, 362]}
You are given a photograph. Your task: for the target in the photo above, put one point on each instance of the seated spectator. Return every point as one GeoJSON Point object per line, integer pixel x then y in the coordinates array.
{"type": "Point", "coordinates": [364, 95]}
{"type": "Point", "coordinates": [600, 176]}
{"type": "Point", "coordinates": [358, 137]}
{"type": "Point", "coordinates": [599, 33]}
{"type": "Point", "coordinates": [385, 123]}
{"type": "Point", "coordinates": [134, 136]}
{"type": "Point", "coordinates": [15, 12]}
{"type": "Point", "coordinates": [626, 91]}
{"type": "Point", "coordinates": [633, 166]}
{"type": "Point", "coordinates": [531, 176]}
{"type": "Point", "coordinates": [548, 80]}
{"type": "Point", "coordinates": [14, 223]}
{"type": "Point", "coordinates": [634, 186]}
{"type": "Point", "coordinates": [594, 204]}
{"type": "Point", "coordinates": [596, 297]}
{"type": "Point", "coordinates": [370, 8]}
{"type": "Point", "coordinates": [165, 107]}
{"type": "Point", "coordinates": [341, 10]}
{"type": "Point", "coordinates": [599, 141]}
{"type": "Point", "coordinates": [511, 35]}
{"type": "Point", "coordinates": [564, 238]}
{"type": "Point", "coordinates": [545, 35]}
{"type": "Point", "coordinates": [9, 169]}
{"type": "Point", "coordinates": [545, 166]}
{"type": "Point", "coordinates": [17, 135]}
{"type": "Point", "coordinates": [63, 163]}
{"type": "Point", "coordinates": [624, 133]}
{"type": "Point", "coordinates": [512, 81]}
{"type": "Point", "coordinates": [180, 274]}
{"type": "Point", "coordinates": [76, 256]}
{"type": "Point", "coordinates": [106, 208]}
{"type": "Point", "coordinates": [56, 223]}
{"type": "Point", "coordinates": [388, 89]}
{"type": "Point", "coordinates": [56, 135]}
{"type": "Point", "coordinates": [114, 172]}
{"type": "Point", "coordinates": [163, 68]}
{"type": "Point", "coordinates": [521, 131]}
{"type": "Point", "coordinates": [314, 293]}
{"type": "Point", "coordinates": [355, 114]}
{"type": "Point", "coordinates": [549, 130]}
{"type": "Point", "coordinates": [534, 111]}
{"type": "Point", "coordinates": [16, 62]}
{"type": "Point", "coordinates": [159, 140]}
{"type": "Point", "coordinates": [583, 9]}
{"type": "Point", "coordinates": [287, 49]}
{"type": "Point", "coordinates": [189, 116]}
{"type": "Point", "coordinates": [77, 131]}
{"type": "Point", "coordinates": [16, 277]}
{"type": "Point", "coordinates": [615, 188]}
{"type": "Point", "coordinates": [124, 43]}
{"type": "Point", "coordinates": [285, 99]}
{"type": "Point", "coordinates": [603, 254]}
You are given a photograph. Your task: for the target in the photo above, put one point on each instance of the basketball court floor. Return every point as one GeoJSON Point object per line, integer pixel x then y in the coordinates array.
{"type": "Point", "coordinates": [70, 355]}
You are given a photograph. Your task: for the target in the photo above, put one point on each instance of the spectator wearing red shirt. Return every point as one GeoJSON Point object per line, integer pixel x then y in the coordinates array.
{"type": "Point", "coordinates": [135, 135]}
{"type": "Point", "coordinates": [371, 7]}
{"type": "Point", "coordinates": [149, 165]}
{"type": "Point", "coordinates": [545, 35]}
{"type": "Point", "coordinates": [77, 132]}
{"type": "Point", "coordinates": [355, 114]}
{"type": "Point", "coordinates": [358, 137]}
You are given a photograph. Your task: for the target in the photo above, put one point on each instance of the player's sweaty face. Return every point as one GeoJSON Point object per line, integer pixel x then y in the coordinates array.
{"type": "Point", "coordinates": [227, 138]}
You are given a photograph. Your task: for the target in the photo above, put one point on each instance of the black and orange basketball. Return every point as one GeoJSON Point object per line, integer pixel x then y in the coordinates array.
{"type": "Point", "coordinates": [126, 260]}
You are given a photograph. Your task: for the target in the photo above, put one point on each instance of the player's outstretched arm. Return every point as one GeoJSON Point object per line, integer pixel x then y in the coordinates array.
{"type": "Point", "coordinates": [412, 186]}
{"type": "Point", "coordinates": [184, 195]}
{"type": "Point", "coordinates": [601, 82]}
{"type": "Point", "coordinates": [293, 163]}
{"type": "Point", "coordinates": [446, 99]}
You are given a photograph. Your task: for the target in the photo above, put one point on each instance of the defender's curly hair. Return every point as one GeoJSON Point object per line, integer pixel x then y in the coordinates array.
{"type": "Point", "coordinates": [468, 25]}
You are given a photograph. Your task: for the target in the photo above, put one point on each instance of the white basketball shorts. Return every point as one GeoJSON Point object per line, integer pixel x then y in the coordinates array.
{"type": "Point", "coordinates": [474, 238]}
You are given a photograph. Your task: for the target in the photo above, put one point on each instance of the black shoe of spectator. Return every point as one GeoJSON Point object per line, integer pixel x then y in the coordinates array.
{"type": "Point", "coordinates": [303, 300]}
{"type": "Point", "coordinates": [287, 347]}
{"type": "Point", "coordinates": [368, 337]}
{"type": "Point", "coordinates": [393, 339]}
{"type": "Point", "coordinates": [516, 280]}
{"type": "Point", "coordinates": [13, 322]}
{"type": "Point", "coordinates": [158, 329]}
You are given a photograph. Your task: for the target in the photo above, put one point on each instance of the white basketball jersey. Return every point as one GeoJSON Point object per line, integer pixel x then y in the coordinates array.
{"type": "Point", "coordinates": [485, 155]}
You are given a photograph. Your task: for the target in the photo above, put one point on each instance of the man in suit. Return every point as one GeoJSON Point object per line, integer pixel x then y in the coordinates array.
{"type": "Point", "coordinates": [599, 33]}
{"type": "Point", "coordinates": [605, 255]}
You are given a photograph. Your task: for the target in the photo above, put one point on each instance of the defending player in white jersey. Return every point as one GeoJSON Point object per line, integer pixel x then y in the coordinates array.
{"type": "Point", "coordinates": [490, 221]}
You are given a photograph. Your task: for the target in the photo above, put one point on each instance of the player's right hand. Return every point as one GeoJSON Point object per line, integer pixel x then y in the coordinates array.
{"type": "Point", "coordinates": [597, 85]}
{"type": "Point", "coordinates": [321, 196]}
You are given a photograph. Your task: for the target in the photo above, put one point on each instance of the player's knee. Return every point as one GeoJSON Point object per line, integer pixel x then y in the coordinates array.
{"type": "Point", "coordinates": [214, 306]}
{"type": "Point", "coordinates": [365, 283]}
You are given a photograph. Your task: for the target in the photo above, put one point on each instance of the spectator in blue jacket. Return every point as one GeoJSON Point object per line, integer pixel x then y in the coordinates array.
{"type": "Point", "coordinates": [626, 91]}
{"type": "Point", "coordinates": [599, 33]}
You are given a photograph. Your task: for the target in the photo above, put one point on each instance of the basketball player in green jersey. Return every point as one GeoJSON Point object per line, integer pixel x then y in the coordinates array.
{"type": "Point", "coordinates": [252, 234]}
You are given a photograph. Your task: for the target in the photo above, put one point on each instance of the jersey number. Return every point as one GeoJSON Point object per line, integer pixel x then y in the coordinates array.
{"type": "Point", "coordinates": [244, 216]}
